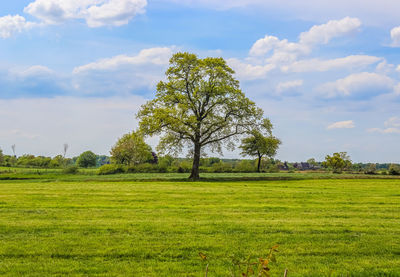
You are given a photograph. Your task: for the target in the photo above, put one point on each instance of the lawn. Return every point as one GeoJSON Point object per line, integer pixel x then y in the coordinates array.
{"type": "Point", "coordinates": [324, 227]}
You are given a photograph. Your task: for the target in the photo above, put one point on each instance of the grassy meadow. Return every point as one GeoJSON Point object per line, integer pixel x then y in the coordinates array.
{"type": "Point", "coordinates": [324, 227]}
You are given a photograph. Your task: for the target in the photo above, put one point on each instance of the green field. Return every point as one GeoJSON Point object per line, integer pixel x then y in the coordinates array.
{"type": "Point", "coordinates": [323, 227]}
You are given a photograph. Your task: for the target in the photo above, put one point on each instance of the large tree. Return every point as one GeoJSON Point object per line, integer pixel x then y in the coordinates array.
{"type": "Point", "coordinates": [199, 105]}
{"type": "Point", "coordinates": [259, 145]}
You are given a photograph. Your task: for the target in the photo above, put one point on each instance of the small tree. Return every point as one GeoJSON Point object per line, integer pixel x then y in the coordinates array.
{"type": "Point", "coordinates": [259, 145]}
{"type": "Point", "coordinates": [131, 149]}
{"type": "Point", "coordinates": [86, 159]}
{"type": "Point", "coordinates": [337, 162]}
{"type": "Point", "coordinates": [312, 162]}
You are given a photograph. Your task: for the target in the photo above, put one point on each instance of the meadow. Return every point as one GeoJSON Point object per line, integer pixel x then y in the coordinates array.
{"type": "Point", "coordinates": [324, 227]}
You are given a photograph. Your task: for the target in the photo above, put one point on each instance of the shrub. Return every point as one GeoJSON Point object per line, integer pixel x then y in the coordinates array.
{"type": "Point", "coordinates": [371, 169]}
{"type": "Point", "coordinates": [73, 169]}
{"type": "Point", "coordinates": [394, 169]}
{"type": "Point", "coordinates": [142, 168]}
{"type": "Point", "coordinates": [221, 167]}
{"type": "Point", "coordinates": [108, 169]}
{"type": "Point", "coordinates": [245, 166]}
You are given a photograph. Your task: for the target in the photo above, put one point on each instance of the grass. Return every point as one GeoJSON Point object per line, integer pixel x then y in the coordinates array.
{"type": "Point", "coordinates": [324, 227]}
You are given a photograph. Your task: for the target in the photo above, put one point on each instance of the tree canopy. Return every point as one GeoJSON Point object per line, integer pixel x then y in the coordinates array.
{"type": "Point", "coordinates": [337, 162]}
{"type": "Point", "coordinates": [199, 105]}
{"type": "Point", "coordinates": [86, 159]}
{"type": "Point", "coordinates": [131, 149]}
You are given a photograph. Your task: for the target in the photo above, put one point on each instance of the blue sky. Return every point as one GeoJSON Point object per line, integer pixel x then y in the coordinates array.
{"type": "Point", "coordinates": [325, 72]}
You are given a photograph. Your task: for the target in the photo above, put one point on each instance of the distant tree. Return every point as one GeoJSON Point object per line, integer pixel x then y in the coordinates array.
{"type": "Point", "coordinates": [131, 149]}
{"type": "Point", "coordinates": [57, 161]}
{"type": "Point", "coordinates": [371, 169]}
{"type": "Point", "coordinates": [259, 145]}
{"type": "Point", "coordinates": [394, 169]}
{"type": "Point", "coordinates": [312, 162]}
{"type": "Point", "coordinates": [199, 105]}
{"type": "Point", "coordinates": [86, 159]}
{"type": "Point", "coordinates": [1, 157]}
{"type": "Point", "coordinates": [102, 160]}
{"type": "Point", "coordinates": [337, 162]}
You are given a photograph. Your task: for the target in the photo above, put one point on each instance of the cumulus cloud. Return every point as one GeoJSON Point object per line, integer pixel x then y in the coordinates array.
{"type": "Point", "coordinates": [363, 84]}
{"type": "Point", "coordinates": [289, 88]}
{"type": "Point", "coordinates": [96, 13]}
{"type": "Point", "coordinates": [395, 35]}
{"type": "Point", "coordinates": [10, 25]}
{"type": "Point", "coordinates": [245, 71]}
{"type": "Point", "coordinates": [322, 34]}
{"type": "Point", "coordinates": [371, 11]}
{"type": "Point", "coordinates": [284, 51]}
{"type": "Point", "coordinates": [270, 53]}
{"type": "Point", "coordinates": [348, 124]}
{"type": "Point", "coordinates": [392, 126]}
{"type": "Point", "coordinates": [313, 65]}
{"type": "Point", "coordinates": [124, 73]}
{"type": "Point", "coordinates": [158, 56]}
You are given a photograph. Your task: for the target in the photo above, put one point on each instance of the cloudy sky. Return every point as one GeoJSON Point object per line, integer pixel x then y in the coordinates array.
{"type": "Point", "coordinates": [327, 73]}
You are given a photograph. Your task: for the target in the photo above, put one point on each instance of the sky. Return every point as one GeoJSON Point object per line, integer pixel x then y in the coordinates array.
{"type": "Point", "coordinates": [326, 73]}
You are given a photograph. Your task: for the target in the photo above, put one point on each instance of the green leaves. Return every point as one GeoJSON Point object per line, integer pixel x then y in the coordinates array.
{"type": "Point", "coordinates": [337, 162]}
{"type": "Point", "coordinates": [131, 149]}
{"type": "Point", "coordinates": [200, 105]}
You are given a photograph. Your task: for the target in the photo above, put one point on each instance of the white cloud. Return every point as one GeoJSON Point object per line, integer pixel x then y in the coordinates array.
{"type": "Point", "coordinates": [370, 11]}
{"type": "Point", "coordinates": [96, 13]}
{"type": "Point", "coordinates": [32, 71]}
{"type": "Point", "coordinates": [289, 87]}
{"type": "Point", "coordinates": [123, 73]}
{"type": "Point", "coordinates": [313, 65]}
{"type": "Point", "coordinates": [322, 34]}
{"type": "Point", "coordinates": [270, 52]}
{"type": "Point", "coordinates": [10, 25]}
{"type": "Point", "coordinates": [349, 124]}
{"type": "Point", "coordinates": [156, 56]}
{"type": "Point", "coordinates": [393, 122]}
{"type": "Point", "coordinates": [363, 84]}
{"type": "Point", "coordinates": [392, 126]}
{"type": "Point", "coordinates": [395, 35]}
{"type": "Point", "coordinates": [245, 71]}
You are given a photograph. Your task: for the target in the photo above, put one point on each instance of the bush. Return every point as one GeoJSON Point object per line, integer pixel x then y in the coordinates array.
{"type": "Point", "coordinates": [221, 167]}
{"type": "Point", "coordinates": [371, 169]}
{"type": "Point", "coordinates": [143, 168]}
{"type": "Point", "coordinates": [394, 169]}
{"type": "Point", "coordinates": [73, 169]}
{"type": "Point", "coordinates": [108, 169]}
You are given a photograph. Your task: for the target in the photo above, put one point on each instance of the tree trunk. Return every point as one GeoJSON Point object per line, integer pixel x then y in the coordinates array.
{"type": "Point", "coordinates": [259, 163]}
{"type": "Point", "coordinates": [196, 162]}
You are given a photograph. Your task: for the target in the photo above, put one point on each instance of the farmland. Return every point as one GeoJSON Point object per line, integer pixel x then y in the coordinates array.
{"type": "Point", "coordinates": [84, 225]}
